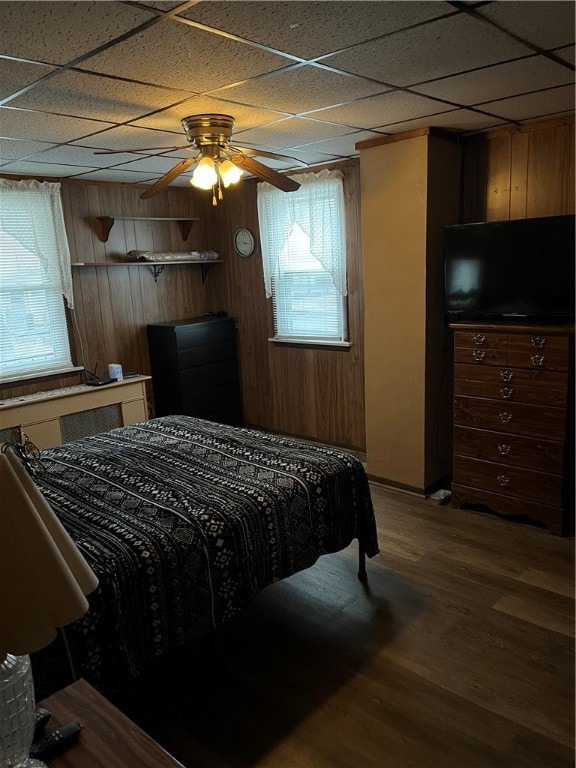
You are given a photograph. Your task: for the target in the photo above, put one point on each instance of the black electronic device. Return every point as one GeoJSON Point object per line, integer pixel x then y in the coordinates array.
{"type": "Point", "coordinates": [55, 742]}
{"type": "Point", "coordinates": [100, 382]}
{"type": "Point", "coordinates": [521, 269]}
{"type": "Point", "coordinates": [41, 718]}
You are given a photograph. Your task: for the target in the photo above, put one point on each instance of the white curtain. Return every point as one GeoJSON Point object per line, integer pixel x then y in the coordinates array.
{"type": "Point", "coordinates": [318, 209]}
{"type": "Point", "coordinates": [31, 213]}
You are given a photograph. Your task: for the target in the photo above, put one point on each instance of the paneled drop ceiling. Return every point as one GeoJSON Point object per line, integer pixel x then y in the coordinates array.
{"type": "Point", "coordinates": [309, 79]}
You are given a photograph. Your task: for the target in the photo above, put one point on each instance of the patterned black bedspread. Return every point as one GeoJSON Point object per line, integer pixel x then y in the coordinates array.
{"type": "Point", "coordinates": [184, 521]}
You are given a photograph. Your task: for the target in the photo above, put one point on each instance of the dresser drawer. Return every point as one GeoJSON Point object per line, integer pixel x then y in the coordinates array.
{"type": "Point", "coordinates": [481, 340]}
{"type": "Point", "coordinates": [507, 480]}
{"type": "Point", "coordinates": [480, 356]}
{"type": "Point", "coordinates": [511, 384]}
{"type": "Point", "coordinates": [540, 351]}
{"type": "Point", "coordinates": [551, 516]}
{"type": "Point", "coordinates": [510, 418]}
{"type": "Point", "coordinates": [513, 450]}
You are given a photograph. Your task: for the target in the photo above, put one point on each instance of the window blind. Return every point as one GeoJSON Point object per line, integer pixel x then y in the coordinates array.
{"type": "Point", "coordinates": [35, 279]}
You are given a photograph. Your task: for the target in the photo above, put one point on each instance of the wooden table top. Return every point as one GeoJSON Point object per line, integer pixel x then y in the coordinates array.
{"type": "Point", "coordinates": [108, 740]}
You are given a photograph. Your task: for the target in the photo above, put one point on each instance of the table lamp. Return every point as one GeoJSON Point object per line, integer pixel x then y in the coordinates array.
{"type": "Point", "coordinates": [43, 583]}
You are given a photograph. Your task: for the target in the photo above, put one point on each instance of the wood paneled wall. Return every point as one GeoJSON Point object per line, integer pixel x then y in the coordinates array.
{"type": "Point", "coordinates": [313, 393]}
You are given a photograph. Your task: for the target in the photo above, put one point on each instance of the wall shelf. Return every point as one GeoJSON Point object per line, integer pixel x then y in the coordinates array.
{"type": "Point", "coordinates": [157, 266]}
{"type": "Point", "coordinates": [103, 224]}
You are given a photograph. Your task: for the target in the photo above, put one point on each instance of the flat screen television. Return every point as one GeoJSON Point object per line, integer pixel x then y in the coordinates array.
{"type": "Point", "coordinates": [521, 269]}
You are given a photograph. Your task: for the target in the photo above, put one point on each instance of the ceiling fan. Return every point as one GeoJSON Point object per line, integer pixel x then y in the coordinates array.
{"type": "Point", "coordinates": [218, 163]}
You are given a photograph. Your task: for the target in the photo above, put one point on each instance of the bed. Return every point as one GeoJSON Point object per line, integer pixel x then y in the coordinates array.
{"type": "Point", "coordinates": [184, 521]}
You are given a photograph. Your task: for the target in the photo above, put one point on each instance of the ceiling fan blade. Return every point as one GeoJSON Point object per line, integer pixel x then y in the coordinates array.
{"type": "Point", "coordinates": [264, 173]}
{"type": "Point", "coordinates": [168, 177]}
{"type": "Point", "coordinates": [140, 149]}
{"type": "Point", "coordinates": [252, 152]}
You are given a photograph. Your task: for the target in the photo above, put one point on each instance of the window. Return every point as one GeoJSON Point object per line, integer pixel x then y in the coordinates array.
{"type": "Point", "coordinates": [304, 258]}
{"type": "Point", "coordinates": [35, 278]}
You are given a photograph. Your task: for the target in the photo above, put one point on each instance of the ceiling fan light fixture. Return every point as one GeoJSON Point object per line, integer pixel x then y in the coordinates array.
{"type": "Point", "coordinates": [229, 173]}
{"type": "Point", "coordinates": [205, 175]}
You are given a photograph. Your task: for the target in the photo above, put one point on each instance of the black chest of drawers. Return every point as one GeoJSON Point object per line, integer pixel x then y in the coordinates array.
{"type": "Point", "coordinates": [194, 368]}
{"type": "Point", "coordinates": [513, 421]}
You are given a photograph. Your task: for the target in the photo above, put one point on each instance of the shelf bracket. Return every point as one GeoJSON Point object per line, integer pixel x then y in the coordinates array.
{"type": "Point", "coordinates": [157, 269]}
{"type": "Point", "coordinates": [185, 227]}
{"type": "Point", "coordinates": [103, 226]}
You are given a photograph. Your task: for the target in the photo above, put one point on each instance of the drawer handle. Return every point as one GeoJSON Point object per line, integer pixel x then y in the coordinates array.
{"type": "Point", "coordinates": [537, 360]}
{"type": "Point", "coordinates": [503, 480]}
{"type": "Point", "coordinates": [478, 355]}
{"type": "Point", "coordinates": [504, 449]}
{"type": "Point", "coordinates": [507, 392]}
{"type": "Point", "coordinates": [505, 417]}
{"type": "Point", "coordinates": [506, 375]}
{"type": "Point", "coordinates": [538, 341]}
{"type": "Point", "coordinates": [479, 339]}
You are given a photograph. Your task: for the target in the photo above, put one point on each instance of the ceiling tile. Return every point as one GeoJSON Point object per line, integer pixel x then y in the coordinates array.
{"type": "Point", "coordinates": [28, 168]}
{"type": "Point", "coordinates": [301, 89]}
{"type": "Point", "coordinates": [74, 155]}
{"type": "Point", "coordinates": [129, 177]}
{"type": "Point", "coordinates": [312, 29]}
{"type": "Point", "coordinates": [15, 75]}
{"type": "Point", "coordinates": [383, 110]}
{"type": "Point", "coordinates": [566, 53]}
{"type": "Point", "coordinates": [129, 137]}
{"type": "Point", "coordinates": [344, 146]}
{"type": "Point", "coordinates": [162, 5]}
{"type": "Point", "coordinates": [287, 133]}
{"type": "Point", "coordinates": [539, 104]}
{"type": "Point", "coordinates": [459, 120]}
{"type": "Point", "coordinates": [548, 24]}
{"type": "Point", "coordinates": [58, 32]}
{"type": "Point", "coordinates": [177, 55]}
{"type": "Point", "coordinates": [289, 165]}
{"type": "Point", "coordinates": [23, 124]}
{"type": "Point", "coordinates": [244, 116]}
{"type": "Point", "coordinates": [13, 149]}
{"type": "Point", "coordinates": [499, 81]}
{"type": "Point", "coordinates": [438, 49]}
{"type": "Point", "coordinates": [103, 98]}
{"type": "Point", "coordinates": [151, 165]}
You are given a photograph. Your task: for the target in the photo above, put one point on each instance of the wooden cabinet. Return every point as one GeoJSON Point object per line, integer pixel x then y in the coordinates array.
{"type": "Point", "coordinates": [195, 368]}
{"type": "Point", "coordinates": [513, 420]}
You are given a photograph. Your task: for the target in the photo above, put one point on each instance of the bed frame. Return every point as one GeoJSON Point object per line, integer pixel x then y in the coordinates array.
{"type": "Point", "coordinates": [184, 521]}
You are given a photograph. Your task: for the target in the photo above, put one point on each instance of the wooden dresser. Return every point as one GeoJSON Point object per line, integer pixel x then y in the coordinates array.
{"type": "Point", "coordinates": [513, 420]}
{"type": "Point", "coordinates": [195, 368]}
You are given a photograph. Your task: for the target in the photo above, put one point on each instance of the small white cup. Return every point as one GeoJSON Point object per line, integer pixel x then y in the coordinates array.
{"type": "Point", "coordinates": [115, 371]}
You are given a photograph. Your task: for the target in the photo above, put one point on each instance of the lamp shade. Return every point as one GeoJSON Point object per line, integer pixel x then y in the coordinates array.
{"type": "Point", "coordinates": [43, 576]}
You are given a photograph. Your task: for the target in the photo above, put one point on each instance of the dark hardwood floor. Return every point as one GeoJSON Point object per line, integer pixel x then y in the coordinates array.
{"type": "Point", "coordinates": [458, 654]}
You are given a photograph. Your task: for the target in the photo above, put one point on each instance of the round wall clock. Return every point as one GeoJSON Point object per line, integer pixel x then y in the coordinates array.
{"type": "Point", "coordinates": [244, 242]}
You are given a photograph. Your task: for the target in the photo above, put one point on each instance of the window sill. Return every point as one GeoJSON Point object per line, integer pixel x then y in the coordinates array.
{"type": "Point", "coordinates": [23, 377]}
{"type": "Point", "coordinates": [310, 342]}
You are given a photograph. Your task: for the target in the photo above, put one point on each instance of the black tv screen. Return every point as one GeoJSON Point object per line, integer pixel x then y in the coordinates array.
{"type": "Point", "coordinates": [522, 269]}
